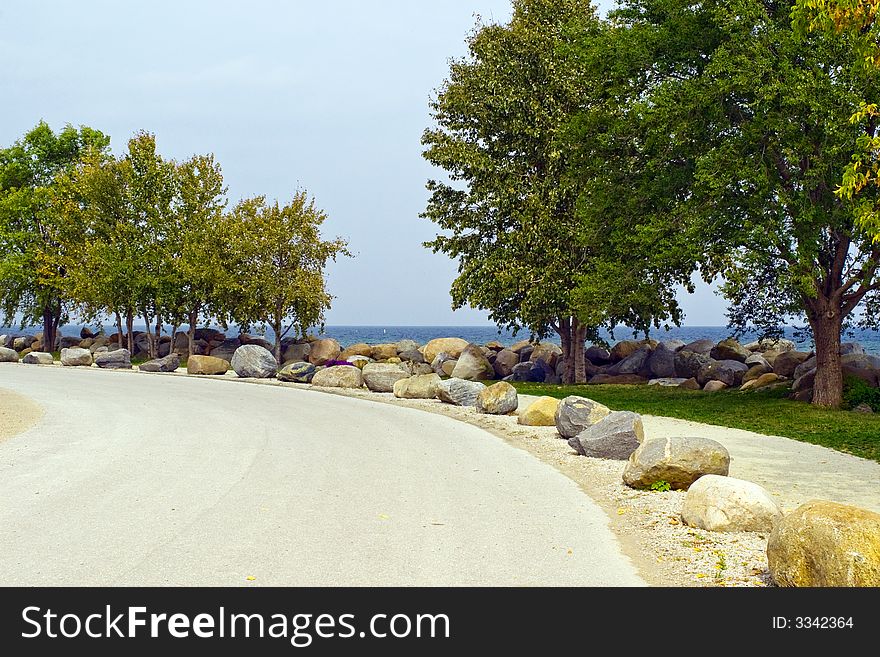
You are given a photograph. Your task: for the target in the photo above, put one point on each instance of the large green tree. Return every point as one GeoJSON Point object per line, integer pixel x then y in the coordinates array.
{"type": "Point", "coordinates": [760, 115]}
{"type": "Point", "coordinates": [32, 289]}
{"type": "Point", "coordinates": [279, 257]}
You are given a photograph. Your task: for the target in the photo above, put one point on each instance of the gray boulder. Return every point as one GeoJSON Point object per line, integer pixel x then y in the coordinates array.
{"type": "Point", "coordinates": [297, 353]}
{"type": "Point", "coordinates": [703, 347]}
{"type": "Point", "coordinates": [253, 361]}
{"type": "Point", "coordinates": [668, 382]}
{"type": "Point", "coordinates": [786, 363]}
{"type": "Point", "coordinates": [226, 349]}
{"type": "Point", "coordinates": [114, 360]}
{"type": "Point", "coordinates": [505, 361]}
{"type": "Point", "coordinates": [632, 364]}
{"type": "Point", "coordinates": [473, 365]}
{"type": "Point", "coordinates": [729, 372]}
{"type": "Point", "coordinates": [803, 368]}
{"type": "Point", "coordinates": [677, 461]}
{"type": "Point", "coordinates": [574, 414]}
{"type": "Point", "coordinates": [758, 359]}
{"type": "Point", "coordinates": [381, 377]}
{"type": "Point", "coordinates": [598, 355]}
{"type": "Point", "coordinates": [411, 356]}
{"type": "Point", "coordinates": [22, 342]}
{"type": "Point", "coordinates": [38, 358]}
{"type": "Point", "coordinates": [661, 364]}
{"type": "Point", "coordinates": [616, 436]}
{"type": "Point", "coordinates": [408, 345]}
{"type": "Point", "coordinates": [862, 366]}
{"type": "Point", "coordinates": [848, 348]}
{"type": "Point", "coordinates": [689, 363]}
{"type": "Point", "coordinates": [459, 392]}
{"type": "Point", "coordinates": [76, 357]}
{"type": "Point", "coordinates": [8, 355]}
{"type": "Point", "coordinates": [168, 363]}
{"type": "Point", "coordinates": [437, 363]}
{"type": "Point", "coordinates": [298, 372]}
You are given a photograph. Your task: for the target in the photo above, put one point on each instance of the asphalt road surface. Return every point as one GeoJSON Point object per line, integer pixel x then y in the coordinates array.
{"type": "Point", "coordinates": [136, 479]}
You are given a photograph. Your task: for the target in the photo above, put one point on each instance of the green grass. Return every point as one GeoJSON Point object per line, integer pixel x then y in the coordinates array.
{"type": "Point", "coordinates": [767, 412]}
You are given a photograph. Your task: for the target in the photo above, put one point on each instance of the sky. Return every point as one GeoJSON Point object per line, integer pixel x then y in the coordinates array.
{"type": "Point", "coordinates": [331, 97]}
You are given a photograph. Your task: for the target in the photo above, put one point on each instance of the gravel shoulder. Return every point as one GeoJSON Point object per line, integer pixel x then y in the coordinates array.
{"type": "Point", "coordinates": [17, 413]}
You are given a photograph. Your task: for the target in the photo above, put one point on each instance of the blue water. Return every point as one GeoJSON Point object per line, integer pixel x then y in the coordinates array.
{"type": "Point", "coordinates": [347, 335]}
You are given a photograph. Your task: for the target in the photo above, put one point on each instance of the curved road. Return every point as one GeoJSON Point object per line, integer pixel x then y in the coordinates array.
{"type": "Point", "coordinates": [136, 479]}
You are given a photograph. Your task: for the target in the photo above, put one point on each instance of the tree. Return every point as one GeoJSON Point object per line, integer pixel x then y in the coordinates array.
{"type": "Point", "coordinates": [857, 20]}
{"type": "Point", "coordinates": [510, 210]}
{"type": "Point", "coordinates": [761, 116]}
{"type": "Point", "coordinates": [279, 259]}
{"type": "Point", "coordinates": [31, 286]}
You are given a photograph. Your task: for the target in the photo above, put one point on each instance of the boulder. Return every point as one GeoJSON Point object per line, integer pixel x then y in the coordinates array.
{"type": "Point", "coordinates": [661, 364]}
{"type": "Point", "coordinates": [448, 367]}
{"type": "Point", "coordinates": [22, 342]}
{"type": "Point", "coordinates": [548, 352]}
{"type": "Point", "coordinates": [359, 361]}
{"type": "Point", "coordinates": [38, 358]}
{"type": "Point", "coordinates": [85, 332]}
{"type": "Point", "coordinates": [505, 361]}
{"type": "Point", "coordinates": [383, 351]}
{"type": "Point", "coordinates": [776, 345]}
{"type": "Point", "coordinates": [761, 382]}
{"type": "Point", "coordinates": [451, 346]}
{"type": "Point", "coordinates": [807, 366]}
{"type": "Point", "coordinates": [754, 372]}
{"type": "Point", "coordinates": [786, 363]}
{"type": "Point", "coordinates": [618, 380]}
{"type": "Point", "coordinates": [437, 363]}
{"type": "Point", "coordinates": [805, 382]}
{"type": "Point", "coordinates": [725, 504]}
{"type": "Point", "coordinates": [677, 461]}
{"type": "Point", "coordinates": [574, 414]}
{"type": "Point", "coordinates": [251, 361]}
{"type": "Point", "coordinates": [668, 382]}
{"type": "Point", "coordinates": [381, 377]}
{"type": "Point", "coordinates": [523, 372]}
{"type": "Point", "coordinates": [255, 340]}
{"type": "Point", "coordinates": [359, 349]}
{"type": "Point", "coordinates": [689, 363]}
{"type": "Point", "coordinates": [300, 372]}
{"type": "Point", "coordinates": [635, 363]}
{"type": "Point", "coordinates": [69, 341]}
{"type": "Point", "coordinates": [407, 345]}
{"type": "Point", "coordinates": [338, 376]}
{"type": "Point", "coordinates": [209, 335]}
{"type": "Point", "coordinates": [459, 392]}
{"type": "Point", "coordinates": [702, 347]}
{"type": "Point", "coordinates": [76, 357]}
{"type": "Point", "coordinates": [690, 384]}
{"type": "Point", "coordinates": [8, 355]}
{"type": "Point", "coordinates": [623, 349]}
{"type": "Point", "coordinates": [597, 355]}
{"type": "Point", "coordinates": [411, 356]}
{"type": "Point", "coordinates": [540, 413]}
{"type": "Point", "coordinates": [758, 359]}
{"type": "Point", "coordinates": [825, 544]}
{"type": "Point", "coordinates": [616, 436]}
{"type": "Point", "coordinates": [848, 348]}
{"type": "Point", "coordinates": [297, 353]}
{"type": "Point", "coordinates": [416, 369]}
{"type": "Point", "coordinates": [862, 366]}
{"type": "Point", "coordinates": [517, 347]}
{"type": "Point", "coordinates": [472, 365]}
{"type": "Point", "coordinates": [115, 359]}
{"type": "Point", "coordinates": [206, 365]}
{"type": "Point", "coordinates": [168, 363]}
{"type": "Point", "coordinates": [729, 372]}
{"type": "Point", "coordinates": [323, 350]}
{"type": "Point", "coordinates": [425, 386]}
{"type": "Point", "coordinates": [226, 349]}
{"type": "Point", "coordinates": [730, 349]}
{"type": "Point", "coordinates": [498, 399]}
{"type": "Point", "coordinates": [715, 386]}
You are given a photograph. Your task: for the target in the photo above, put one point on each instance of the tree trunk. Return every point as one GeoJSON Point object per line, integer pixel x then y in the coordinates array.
{"type": "Point", "coordinates": [158, 334]}
{"type": "Point", "coordinates": [148, 320]}
{"type": "Point", "coordinates": [129, 328]}
{"type": "Point", "coordinates": [193, 318]}
{"type": "Point", "coordinates": [119, 330]}
{"type": "Point", "coordinates": [277, 329]}
{"type": "Point", "coordinates": [174, 328]}
{"type": "Point", "coordinates": [577, 352]}
{"type": "Point", "coordinates": [48, 328]}
{"type": "Point", "coordinates": [828, 387]}
{"type": "Point", "coordinates": [564, 331]}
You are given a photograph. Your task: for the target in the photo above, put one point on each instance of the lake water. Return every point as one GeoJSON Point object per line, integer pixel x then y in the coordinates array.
{"type": "Point", "coordinates": [347, 335]}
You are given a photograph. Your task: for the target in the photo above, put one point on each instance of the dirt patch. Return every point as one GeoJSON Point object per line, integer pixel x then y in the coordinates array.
{"type": "Point", "coordinates": [17, 413]}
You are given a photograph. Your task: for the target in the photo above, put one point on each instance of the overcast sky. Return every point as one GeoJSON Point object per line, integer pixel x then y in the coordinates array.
{"type": "Point", "coordinates": [331, 96]}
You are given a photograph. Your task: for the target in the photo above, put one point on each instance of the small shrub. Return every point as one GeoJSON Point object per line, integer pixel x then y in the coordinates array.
{"type": "Point", "coordinates": [857, 391]}
{"type": "Point", "coordinates": [661, 486]}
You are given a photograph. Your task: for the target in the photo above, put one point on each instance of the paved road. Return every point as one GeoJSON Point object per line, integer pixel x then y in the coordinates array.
{"type": "Point", "coordinates": [136, 479]}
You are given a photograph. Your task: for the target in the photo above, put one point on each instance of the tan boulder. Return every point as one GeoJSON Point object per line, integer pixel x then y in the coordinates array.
{"type": "Point", "coordinates": [338, 376]}
{"type": "Point", "coordinates": [764, 380]}
{"type": "Point", "coordinates": [540, 413]}
{"type": "Point", "coordinates": [451, 346]}
{"type": "Point", "coordinates": [383, 351]}
{"type": "Point", "coordinates": [448, 367]}
{"type": "Point", "coordinates": [207, 365]}
{"type": "Point", "coordinates": [825, 544]}
{"type": "Point", "coordinates": [323, 350]}
{"type": "Point", "coordinates": [359, 349]}
{"type": "Point", "coordinates": [498, 399]}
{"type": "Point", "coordinates": [425, 386]}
